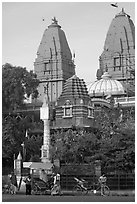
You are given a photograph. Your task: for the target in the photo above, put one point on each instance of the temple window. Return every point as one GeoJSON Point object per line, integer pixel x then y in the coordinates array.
{"type": "Point", "coordinates": [67, 109]}
{"type": "Point", "coordinates": [90, 112]}
{"type": "Point", "coordinates": [117, 63]}
{"type": "Point", "coordinates": [46, 68]}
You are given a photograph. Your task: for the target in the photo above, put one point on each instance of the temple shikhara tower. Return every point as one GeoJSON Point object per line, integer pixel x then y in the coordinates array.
{"type": "Point", "coordinates": [118, 56]}
{"type": "Point", "coordinates": [54, 61]}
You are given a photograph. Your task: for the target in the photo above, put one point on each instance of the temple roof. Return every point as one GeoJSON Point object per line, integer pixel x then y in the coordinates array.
{"type": "Point", "coordinates": [121, 34]}
{"type": "Point", "coordinates": [74, 87]}
{"type": "Point", "coordinates": [54, 41]}
{"type": "Point", "coordinates": [105, 86]}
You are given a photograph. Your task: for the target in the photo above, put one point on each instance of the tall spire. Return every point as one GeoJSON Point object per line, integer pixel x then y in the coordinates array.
{"type": "Point", "coordinates": [54, 63]}
{"type": "Point", "coordinates": [119, 49]}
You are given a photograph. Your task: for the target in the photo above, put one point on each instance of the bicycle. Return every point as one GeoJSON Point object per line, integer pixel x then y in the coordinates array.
{"type": "Point", "coordinates": [80, 189]}
{"type": "Point", "coordinates": [7, 189]}
{"type": "Point", "coordinates": [97, 187]}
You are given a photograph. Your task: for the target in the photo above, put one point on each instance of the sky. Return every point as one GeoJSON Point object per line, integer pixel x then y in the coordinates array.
{"type": "Point", "coordinates": [85, 25]}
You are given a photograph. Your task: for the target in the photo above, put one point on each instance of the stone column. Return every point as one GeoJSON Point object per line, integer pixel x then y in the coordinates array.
{"type": "Point", "coordinates": [44, 115]}
{"type": "Point", "coordinates": [46, 142]}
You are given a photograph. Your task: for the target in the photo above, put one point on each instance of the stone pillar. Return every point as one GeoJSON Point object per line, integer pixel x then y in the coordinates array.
{"type": "Point", "coordinates": [44, 115]}
{"type": "Point", "coordinates": [46, 142]}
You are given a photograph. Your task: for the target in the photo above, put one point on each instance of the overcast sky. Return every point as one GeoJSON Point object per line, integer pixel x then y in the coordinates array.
{"type": "Point", "coordinates": [84, 23]}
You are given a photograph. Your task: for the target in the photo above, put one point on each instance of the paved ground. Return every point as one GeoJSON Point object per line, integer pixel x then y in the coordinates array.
{"type": "Point", "coordinates": [115, 196]}
{"type": "Point", "coordinates": [66, 198]}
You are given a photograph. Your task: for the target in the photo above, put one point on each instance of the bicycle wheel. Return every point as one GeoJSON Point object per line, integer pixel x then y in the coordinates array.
{"type": "Point", "coordinates": [77, 190]}
{"type": "Point", "coordinates": [35, 191]}
{"type": "Point", "coordinates": [84, 191]}
{"type": "Point", "coordinates": [106, 191]}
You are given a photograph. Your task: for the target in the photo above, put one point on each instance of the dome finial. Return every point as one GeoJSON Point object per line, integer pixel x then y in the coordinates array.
{"type": "Point", "coordinates": [54, 20]}
{"type": "Point", "coordinates": [54, 23]}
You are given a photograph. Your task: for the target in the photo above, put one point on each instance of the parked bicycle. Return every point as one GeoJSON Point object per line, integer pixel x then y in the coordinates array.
{"type": "Point", "coordinates": [7, 189]}
{"type": "Point", "coordinates": [81, 189]}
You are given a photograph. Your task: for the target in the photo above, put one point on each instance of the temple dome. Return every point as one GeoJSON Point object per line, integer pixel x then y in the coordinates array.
{"type": "Point", "coordinates": [105, 86]}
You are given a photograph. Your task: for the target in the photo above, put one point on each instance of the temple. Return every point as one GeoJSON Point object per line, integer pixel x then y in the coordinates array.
{"type": "Point", "coordinates": [54, 61]}
{"type": "Point", "coordinates": [71, 103]}
{"type": "Point", "coordinates": [118, 56]}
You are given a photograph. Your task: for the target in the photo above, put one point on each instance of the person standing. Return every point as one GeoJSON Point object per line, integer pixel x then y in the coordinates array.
{"type": "Point", "coordinates": [56, 188]}
{"type": "Point", "coordinates": [102, 180]}
{"type": "Point", "coordinates": [28, 185]}
{"type": "Point", "coordinates": [43, 176]}
{"type": "Point", "coordinates": [13, 181]}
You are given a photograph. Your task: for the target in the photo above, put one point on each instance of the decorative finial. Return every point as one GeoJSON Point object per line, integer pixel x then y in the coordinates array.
{"type": "Point", "coordinates": [55, 20]}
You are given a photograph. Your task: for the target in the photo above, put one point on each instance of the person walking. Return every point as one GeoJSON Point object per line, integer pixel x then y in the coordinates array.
{"type": "Point", "coordinates": [28, 185]}
{"type": "Point", "coordinates": [14, 185]}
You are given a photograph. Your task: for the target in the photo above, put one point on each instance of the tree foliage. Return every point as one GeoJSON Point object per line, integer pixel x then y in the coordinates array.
{"type": "Point", "coordinates": [73, 146]}
{"type": "Point", "coordinates": [16, 83]}
{"type": "Point", "coordinates": [113, 143]}
{"type": "Point", "coordinates": [14, 135]}
{"type": "Point", "coordinates": [117, 138]}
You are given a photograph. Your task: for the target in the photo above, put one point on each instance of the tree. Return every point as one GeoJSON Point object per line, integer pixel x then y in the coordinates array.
{"type": "Point", "coordinates": [33, 146]}
{"type": "Point", "coordinates": [17, 83]}
{"type": "Point", "coordinates": [113, 143]}
{"type": "Point", "coordinates": [73, 146]}
{"type": "Point", "coordinates": [116, 130]}
{"type": "Point", "coordinates": [8, 142]}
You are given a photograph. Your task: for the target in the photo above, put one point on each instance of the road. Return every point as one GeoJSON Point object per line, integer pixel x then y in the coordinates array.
{"type": "Point", "coordinates": [65, 198]}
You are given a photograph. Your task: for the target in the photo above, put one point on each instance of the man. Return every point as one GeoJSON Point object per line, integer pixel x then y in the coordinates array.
{"type": "Point", "coordinates": [28, 185]}
{"type": "Point", "coordinates": [102, 180]}
{"type": "Point", "coordinates": [43, 176]}
{"type": "Point", "coordinates": [56, 188]}
{"type": "Point", "coordinates": [13, 180]}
